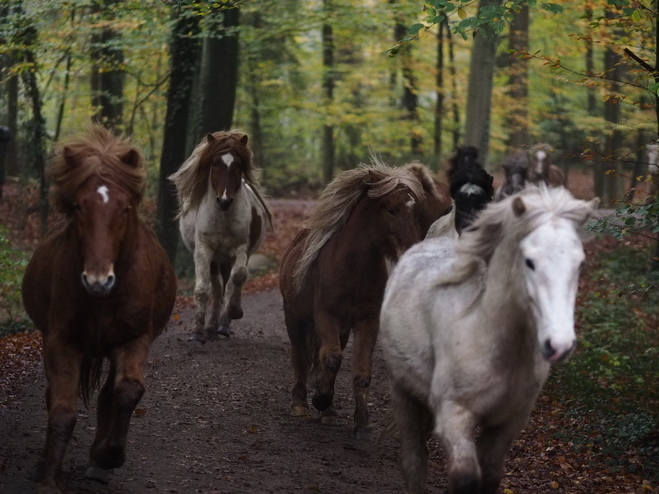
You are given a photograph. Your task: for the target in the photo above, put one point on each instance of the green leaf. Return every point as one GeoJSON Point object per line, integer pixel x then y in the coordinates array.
{"type": "Point", "coordinates": [415, 28]}
{"type": "Point", "coordinates": [554, 8]}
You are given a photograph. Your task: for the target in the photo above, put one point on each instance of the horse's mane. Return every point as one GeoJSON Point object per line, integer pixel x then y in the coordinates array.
{"type": "Point", "coordinates": [535, 205]}
{"type": "Point", "coordinates": [119, 162]}
{"type": "Point", "coordinates": [191, 179]}
{"type": "Point", "coordinates": [339, 199]}
{"type": "Point", "coordinates": [422, 174]}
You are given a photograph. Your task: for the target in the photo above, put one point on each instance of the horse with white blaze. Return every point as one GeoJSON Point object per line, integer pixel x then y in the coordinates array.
{"type": "Point", "coordinates": [470, 328]}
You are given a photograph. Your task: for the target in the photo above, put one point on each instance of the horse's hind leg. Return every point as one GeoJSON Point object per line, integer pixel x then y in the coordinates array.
{"type": "Point", "coordinates": [493, 445]}
{"type": "Point", "coordinates": [232, 307]}
{"type": "Point", "coordinates": [366, 334]}
{"type": "Point", "coordinates": [297, 334]}
{"type": "Point", "coordinates": [217, 290]}
{"type": "Point", "coordinates": [129, 387]}
{"type": "Point", "coordinates": [456, 424]}
{"type": "Point", "coordinates": [104, 415]}
{"type": "Point", "coordinates": [414, 423]}
{"type": "Point", "coordinates": [62, 366]}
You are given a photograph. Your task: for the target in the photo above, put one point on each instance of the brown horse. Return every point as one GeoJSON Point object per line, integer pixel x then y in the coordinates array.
{"type": "Point", "coordinates": [333, 277]}
{"type": "Point", "coordinates": [98, 287]}
{"type": "Point", "coordinates": [436, 198]}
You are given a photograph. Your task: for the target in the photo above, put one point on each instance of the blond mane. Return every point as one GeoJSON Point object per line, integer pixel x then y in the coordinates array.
{"type": "Point", "coordinates": [191, 180]}
{"type": "Point", "coordinates": [339, 199]}
{"type": "Point", "coordinates": [119, 162]}
{"type": "Point", "coordinates": [499, 221]}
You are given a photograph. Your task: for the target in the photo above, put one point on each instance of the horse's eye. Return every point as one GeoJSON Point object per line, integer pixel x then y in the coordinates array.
{"type": "Point", "coordinates": [530, 264]}
{"type": "Point", "coordinates": [392, 212]}
{"type": "Point", "coordinates": [76, 206]}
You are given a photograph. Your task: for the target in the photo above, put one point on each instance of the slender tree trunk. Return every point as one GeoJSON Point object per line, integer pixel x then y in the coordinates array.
{"type": "Point", "coordinates": [107, 77]}
{"type": "Point", "coordinates": [454, 86]}
{"type": "Point", "coordinates": [253, 83]}
{"type": "Point", "coordinates": [184, 51]}
{"type": "Point", "coordinates": [439, 89]}
{"type": "Point", "coordinates": [518, 82]}
{"type": "Point", "coordinates": [219, 70]}
{"type": "Point", "coordinates": [479, 93]}
{"type": "Point", "coordinates": [590, 65]}
{"type": "Point", "coordinates": [639, 163]}
{"type": "Point", "coordinates": [410, 99]}
{"type": "Point", "coordinates": [328, 87]}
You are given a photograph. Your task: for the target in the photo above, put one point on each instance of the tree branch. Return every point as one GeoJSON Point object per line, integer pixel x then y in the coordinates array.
{"type": "Point", "coordinates": [639, 60]}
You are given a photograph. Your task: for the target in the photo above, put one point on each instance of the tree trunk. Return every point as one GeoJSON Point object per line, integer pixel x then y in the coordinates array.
{"type": "Point", "coordinates": [253, 82]}
{"type": "Point", "coordinates": [107, 77]}
{"type": "Point", "coordinates": [479, 93]}
{"type": "Point", "coordinates": [410, 87]}
{"type": "Point", "coordinates": [454, 85]}
{"type": "Point", "coordinates": [184, 51]}
{"type": "Point", "coordinates": [328, 87]}
{"type": "Point", "coordinates": [590, 66]}
{"type": "Point", "coordinates": [439, 89]}
{"type": "Point", "coordinates": [219, 70]}
{"type": "Point", "coordinates": [518, 82]}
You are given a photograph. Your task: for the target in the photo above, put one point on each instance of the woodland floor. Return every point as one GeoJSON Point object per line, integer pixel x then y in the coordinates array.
{"type": "Point", "coordinates": [215, 417]}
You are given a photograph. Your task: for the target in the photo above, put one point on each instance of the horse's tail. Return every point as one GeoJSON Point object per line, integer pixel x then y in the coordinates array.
{"type": "Point", "coordinates": [313, 351]}
{"type": "Point", "coordinates": [90, 377]}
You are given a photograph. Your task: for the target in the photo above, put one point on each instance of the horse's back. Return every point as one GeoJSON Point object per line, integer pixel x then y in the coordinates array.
{"type": "Point", "coordinates": [444, 226]}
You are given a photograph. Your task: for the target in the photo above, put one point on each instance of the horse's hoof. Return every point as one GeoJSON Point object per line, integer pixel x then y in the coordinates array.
{"type": "Point", "coordinates": [94, 472]}
{"type": "Point", "coordinates": [196, 336]}
{"type": "Point", "coordinates": [235, 312]}
{"type": "Point", "coordinates": [298, 411]}
{"type": "Point", "coordinates": [328, 419]}
{"type": "Point", "coordinates": [322, 401]}
{"type": "Point", "coordinates": [107, 456]}
{"type": "Point", "coordinates": [211, 333]}
{"type": "Point", "coordinates": [223, 330]}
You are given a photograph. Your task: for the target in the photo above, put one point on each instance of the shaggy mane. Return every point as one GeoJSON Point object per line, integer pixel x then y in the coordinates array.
{"type": "Point", "coordinates": [498, 222]}
{"type": "Point", "coordinates": [71, 167]}
{"type": "Point", "coordinates": [339, 199]}
{"type": "Point", "coordinates": [191, 179]}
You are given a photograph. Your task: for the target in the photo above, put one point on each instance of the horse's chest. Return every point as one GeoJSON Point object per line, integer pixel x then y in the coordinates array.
{"type": "Point", "coordinates": [103, 327]}
{"type": "Point", "coordinates": [224, 235]}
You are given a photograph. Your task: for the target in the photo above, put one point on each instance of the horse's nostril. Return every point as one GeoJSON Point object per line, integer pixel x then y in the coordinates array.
{"type": "Point", "coordinates": [85, 281]}
{"type": "Point", "coordinates": [548, 349]}
{"type": "Point", "coordinates": [110, 281]}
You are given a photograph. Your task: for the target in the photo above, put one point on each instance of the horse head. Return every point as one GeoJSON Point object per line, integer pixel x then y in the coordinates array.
{"type": "Point", "coordinates": [551, 257]}
{"type": "Point", "coordinates": [103, 213]}
{"type": "Point", "coordinates": [227, 165]}
{"type": "Point", "coordinates": [396, 217]}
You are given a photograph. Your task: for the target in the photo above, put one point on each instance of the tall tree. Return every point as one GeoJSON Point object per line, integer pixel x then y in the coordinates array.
{"type": "Point", "coordinates": [328, 89]}
{"type": "Point", "coordinates": [409, 100]}
{"type": "Point", "coordinates": [518, 80]}
{"type": "Point", "coordinates": [479, 92]}
{"type": "Point", "coordinates": [184, 48]}
{"type": "Point", "coordinates": [439, 90]}
{"type": "Point", "coordinates": [454, 85]}
{"type": "Point", "coordinates": [107, 76]}
{"type": "Point", "coordinates": [219, 69]}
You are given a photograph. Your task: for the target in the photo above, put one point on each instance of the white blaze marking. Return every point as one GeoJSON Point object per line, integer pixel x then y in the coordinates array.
{"type": "Point", "coordinates": [103, 190]}
{"type": "Point", "coordinates": [470, 189]}
{"type": "Point", "coordinates": [411, 202]}
{"type": "Point", "coordinates": [228, 159]}
{"type": "Point", "coordinates": [540, 156]}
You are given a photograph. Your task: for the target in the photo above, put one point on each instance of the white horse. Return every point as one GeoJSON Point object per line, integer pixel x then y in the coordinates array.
{"type": "Point", "coordinates": [223, 219]}
{"type": "Point", "coordinates": [470, 327]}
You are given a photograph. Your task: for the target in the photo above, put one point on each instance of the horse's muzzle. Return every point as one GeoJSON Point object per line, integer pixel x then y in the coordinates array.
{"type": "Point", "coordinates": [98, 285]}
{"type": "Point", "coordinates": [557, 353]}
{"type": "Point", "coordinates": [224, 203]}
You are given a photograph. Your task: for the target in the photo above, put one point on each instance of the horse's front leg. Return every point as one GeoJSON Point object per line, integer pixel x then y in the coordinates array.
{"type": "Point", "coordinates": [104, 416]}
{"type": "Point", "coordinates": [455, 425]}
{"type": "Point", "coordinates": [330, 357]}
{"type": "Point", "coordinates": [366, 334]}
{"type": "Point", "coordinates": [232, 308]}
{"type": "Point", "coordinates": [493, 445]}
{"type": "Point", "coordinates": [130, 360]}
{"type": "Point", "coordinates": [62, 366]}
{"type": "Point", "coordinates": [203, 257]}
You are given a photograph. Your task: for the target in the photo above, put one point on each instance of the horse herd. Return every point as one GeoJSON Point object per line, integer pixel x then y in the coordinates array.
{"type": "Point", "coordinates": [470, 318]}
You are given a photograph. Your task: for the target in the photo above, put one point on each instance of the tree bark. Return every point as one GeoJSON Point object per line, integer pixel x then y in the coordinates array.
{"type": "Point", "coordinates": [219, 70]}
{"type": "Point", "coordinates": [328, 88]}
{"type": "Point", "coordinates": [590, 65]}
{"type": "Point", "coordinates": [439, 90]}
{"type": "Point", "coordinates": [479, 92]}
{"type": "Point", "coordinates": [454, 86]}
{"type": "Point", "coordinates": [107, 76]}
{"type": "Point", "coordinates": [184, 50]}
{"type": "Point", "coordinates": [409, 100]}
{"type": "Point", "coordinates": [518, 81]}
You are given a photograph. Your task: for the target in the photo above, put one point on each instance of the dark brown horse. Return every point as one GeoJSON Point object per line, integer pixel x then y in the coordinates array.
{"type": "Point", "coordinates": [98, 287]}
{"type": "Point", "coordinates": [436, 200]}
{"type": "Point", "coordinates": [333, 277]}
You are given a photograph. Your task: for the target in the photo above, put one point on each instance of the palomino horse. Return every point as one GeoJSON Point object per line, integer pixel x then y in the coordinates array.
{"type": "Point", "coordinates": [333, 277]}
{"type": "Point", "coordinates": [98, 287]}
{"type": "Point", "coordinates": [470, 328]}
{"type": "Point", "coordinates": [516, 170]}
{"type": "Point", "coordinates": [471, 189]}
{"type": "Point", "coordinates": [542, 169]}
{"type": "Point", "coordinates": [223, 219]}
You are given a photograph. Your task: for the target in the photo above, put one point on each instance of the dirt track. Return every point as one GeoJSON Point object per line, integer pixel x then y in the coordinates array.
{"type": "Point", "coordinates": [215, 419]}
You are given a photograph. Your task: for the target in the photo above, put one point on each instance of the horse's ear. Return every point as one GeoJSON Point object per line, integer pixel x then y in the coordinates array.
{"type": "Point", "coordinates": [131, 158]}
{"type": "Point", "coordinates": [244, 139]}
{"type": "Point", "coordinates": [372, 177]}
{"type": "Point", "coordinates": [519, 208]}
{"type": "Point", "coordinates": [209, 137]}
{"type": "Point", "coordinates": [69, 156]}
